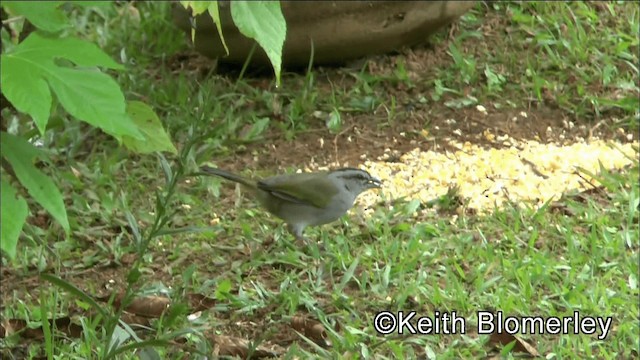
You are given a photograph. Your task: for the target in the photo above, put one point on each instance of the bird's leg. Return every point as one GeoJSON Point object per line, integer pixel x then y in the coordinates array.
{"type": "Point", "coordinates": [296, 231]}
{"type": "Point", "coordinates": [301, 240]}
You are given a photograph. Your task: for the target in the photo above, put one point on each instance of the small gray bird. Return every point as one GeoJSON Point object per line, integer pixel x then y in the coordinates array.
{"type": "Point", "coordinates": [306, 199]}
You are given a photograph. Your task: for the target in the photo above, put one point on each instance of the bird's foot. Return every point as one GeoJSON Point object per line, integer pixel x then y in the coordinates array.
{"type": "Point", "coordinates": [308, 244]}
{"type": "Point", "coordinates": [302, 241]}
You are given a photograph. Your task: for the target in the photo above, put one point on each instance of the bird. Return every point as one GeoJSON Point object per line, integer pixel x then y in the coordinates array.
{"type": "Point", "coordinates": [305, 199]}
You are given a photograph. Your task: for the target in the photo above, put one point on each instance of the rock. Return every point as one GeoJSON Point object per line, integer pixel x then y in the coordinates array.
{"type": "Point", "coordinates": [340, 30]}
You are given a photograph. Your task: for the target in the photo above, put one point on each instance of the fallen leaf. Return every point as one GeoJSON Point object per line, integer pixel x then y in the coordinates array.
{"type": "Point", "coordinates": [199, 302]}
{"type": "Point", "coordinates": [312, 329]}
{"type": "Point", "coordinates": [232, 346]}
{"type": "Point", "coordinates": [504, 339]}
{"type": "Point", "coordinates": [149, 306]}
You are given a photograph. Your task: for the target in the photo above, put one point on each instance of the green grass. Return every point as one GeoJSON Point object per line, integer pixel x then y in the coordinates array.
{"type": "Point", "coordinates": [578, 58]}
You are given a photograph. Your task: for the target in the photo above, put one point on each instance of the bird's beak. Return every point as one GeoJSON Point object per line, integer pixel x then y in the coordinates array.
{"type": "Point", "coordinates": [375, 183]}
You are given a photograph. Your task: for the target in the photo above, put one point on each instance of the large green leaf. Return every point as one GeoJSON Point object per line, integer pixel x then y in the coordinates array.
{"type": "Point", "coordinates": [21, 155]}
{"type": "Point", "coordinates": [44, 15]}
{"type": "Point", "coordinates": [262, 21]}
{"type": "Point", "coordinates": [155, 138]}
{"type": "Point", "coordinates": [214, 11]}
{"type": "Point", "coordinates": [84, 92]}
{"type": "Point", "coordinates": [13, 214]}
{"type": "Point", "coordinates": [34, 99]}
{"type": "Point", "coordinates": [199, 7]}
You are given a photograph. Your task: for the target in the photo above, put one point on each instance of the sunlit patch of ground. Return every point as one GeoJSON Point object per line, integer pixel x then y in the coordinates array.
{"type": "Point", "coordinates": [526, 172]}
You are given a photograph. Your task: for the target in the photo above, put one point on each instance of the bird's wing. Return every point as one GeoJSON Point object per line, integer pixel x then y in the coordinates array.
{"type": "Point", "coordinates": [309, 189]}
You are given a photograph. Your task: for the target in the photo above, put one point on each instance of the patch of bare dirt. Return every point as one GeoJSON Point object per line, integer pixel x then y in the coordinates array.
{"type": "Point", "coordinates": [366, 136]}
{"type": "Point", "coordinates": [363, 138]}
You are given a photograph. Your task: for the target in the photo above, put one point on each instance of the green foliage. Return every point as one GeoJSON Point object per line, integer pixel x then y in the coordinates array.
{"type": "Point", "coordinates": [32, 68]}
{"type": "Point", "coordinates": [21, 154]}
{"type": "Point", "coordinates": [67, 66]}
{"type": "Point", "coordinates": [199, 7]}
{"type": "Point", "coordinates": [155, 138]}
{"type": "Point", "coordinates": [334, 123]}
{"type": "Point", "coordinates": [559, 56]}
{"type": "Point", "coordinates": [262, 21]}
{"type": "Point", "coordinates": [259, 20]}
{"type": "Point", "coordinates": [214, 11]}
{"type": "Point", "coordinates": [13, 212]}
{"type": "Point", "coordinates": [45, 16]}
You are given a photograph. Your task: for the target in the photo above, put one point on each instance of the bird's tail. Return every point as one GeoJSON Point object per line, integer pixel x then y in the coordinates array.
{"type": "Point", "coordinates": [207, 170]}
